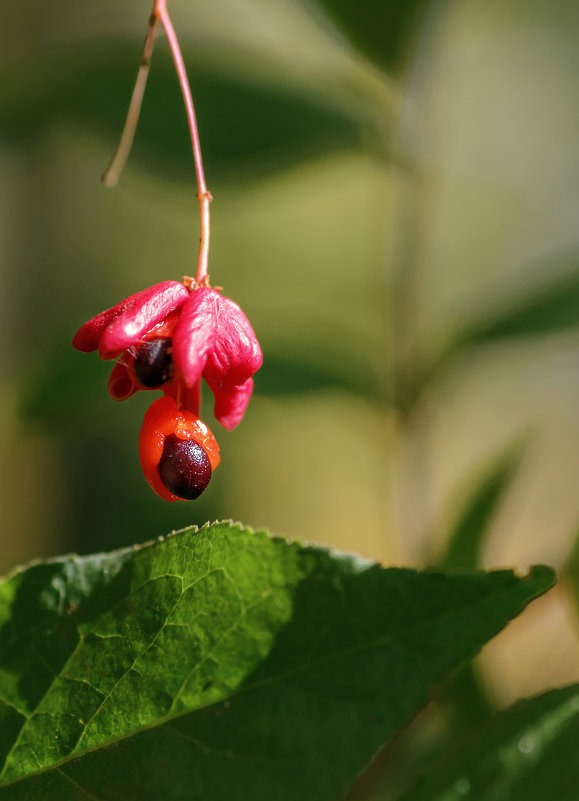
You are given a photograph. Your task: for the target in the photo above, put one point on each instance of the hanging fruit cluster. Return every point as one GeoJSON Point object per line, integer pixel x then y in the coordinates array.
{"type": "Point", "coordinates": [170, 336]}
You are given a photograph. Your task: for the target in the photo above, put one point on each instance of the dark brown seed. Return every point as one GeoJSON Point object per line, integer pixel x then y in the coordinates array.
{"type": "Point", "coordinates": [184, 467]}
{"type": "Point", "coordinates": [153, 363]}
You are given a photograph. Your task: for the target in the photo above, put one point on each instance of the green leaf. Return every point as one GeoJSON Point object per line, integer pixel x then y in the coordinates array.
{"type": "Point", "coordinates": [463, 550]}
{"type": "Point", "coordinates": [527, 753]}
{"type": "Point", "coordinates": [552, 308]}
{"type": "Point", "coordinates": [92, 89]}
{"type": "Point", "coordinates": [221, 658]}
{"type": "Point", "coordinates": [465, 694]}
{"type": "Point", "coordinates": [61, 384]}
{"type": "Point", "coordinates": [380, 30]}
{"type": "Point", "coordinates": [299, 371]}
{"type": "Point", "coordinates": [570, 573]}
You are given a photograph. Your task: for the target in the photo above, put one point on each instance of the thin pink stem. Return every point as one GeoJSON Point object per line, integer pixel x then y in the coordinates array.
{"type": "Point", "coordinates": [203, 194]}
{"type": "Point", "coordinates": [113, 171]}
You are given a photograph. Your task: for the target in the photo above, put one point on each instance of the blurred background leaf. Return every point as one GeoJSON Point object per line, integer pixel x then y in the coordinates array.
{"type": "Point", "coordinates": [570, 575]}
{"type": "Point", "coordinates": [549, 308]}
{"type": "Point", "coordinates": [464, 547]}
{"type": "Point", "coordinates": [522, 754]}
{"type": "Point", "coordinates": [90, 88]}
{"type": "Point", "coordinates": [381, 31]}
{"type": "Point", "coordinates": [307, 371]}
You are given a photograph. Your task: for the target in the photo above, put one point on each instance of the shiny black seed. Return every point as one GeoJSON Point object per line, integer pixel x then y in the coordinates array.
{"type": "Point", "coordinates": [153, 362]}
{"type": "Point", "coordinates": [184, 467]}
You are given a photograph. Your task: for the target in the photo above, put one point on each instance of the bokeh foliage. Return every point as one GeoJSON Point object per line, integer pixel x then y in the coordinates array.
{"type": "Point", "coordinates": [396, 193]}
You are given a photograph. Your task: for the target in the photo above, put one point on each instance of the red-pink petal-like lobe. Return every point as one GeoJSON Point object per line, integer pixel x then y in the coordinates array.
{"type": "Point", "coordinates": [195, 335]}
{"type": "Point", "coordinates": [230, 405]}
{"type": "Point", "coordinates": [145, 310]}
{"type": "Point", "coordinates": [236, 354]}
{"type": "Point", "coordinates": [88, 336]}
{"type": "Point", "coordinates": [121, 382]}
{"type": "Point", "coordinates": [149, 307]}
{"type": "Point", "coordinates": [215, 339]}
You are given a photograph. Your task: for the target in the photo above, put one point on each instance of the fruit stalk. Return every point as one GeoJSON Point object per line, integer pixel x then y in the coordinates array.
{"type": "Point", "coordinates": [111, 175]}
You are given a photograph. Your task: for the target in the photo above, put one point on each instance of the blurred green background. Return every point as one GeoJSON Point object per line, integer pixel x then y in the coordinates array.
{"type": "Point", "coordinates": [396, 190]}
